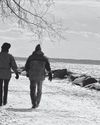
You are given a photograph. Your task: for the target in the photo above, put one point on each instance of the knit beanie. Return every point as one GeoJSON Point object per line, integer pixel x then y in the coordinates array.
{"type": "Point", "coordinates": [38, 47]}
{"type": "Point", "coordinates": [6, 46]}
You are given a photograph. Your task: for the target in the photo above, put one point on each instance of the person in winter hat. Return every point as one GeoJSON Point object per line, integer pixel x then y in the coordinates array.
{"type": "Point", "coordinates": [6, 46]}
{"type": "Point", "coordinates": [35, 67]}
{"type": "Point", "coordinates": [7, 62]}
{"type": "Point", "coordinates": [38, 48]}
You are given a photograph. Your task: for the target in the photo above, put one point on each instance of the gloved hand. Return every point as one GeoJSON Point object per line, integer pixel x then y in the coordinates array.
{"type": "Point", "coordinates": [17, 76]}
{"type": "Point", "coordinates": [50, 76]}
{"type": "Point", "coordinates": [27, 74]}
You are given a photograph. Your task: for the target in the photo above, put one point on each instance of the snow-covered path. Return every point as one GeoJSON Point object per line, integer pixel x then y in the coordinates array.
{"type": "Point", "coordinates": [61, 104]}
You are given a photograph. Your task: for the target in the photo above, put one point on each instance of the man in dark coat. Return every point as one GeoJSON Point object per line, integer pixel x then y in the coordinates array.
{"type": "Point", "coordinates": [7, 62]}
{"type": "Point", "coordinates": [35, 67]}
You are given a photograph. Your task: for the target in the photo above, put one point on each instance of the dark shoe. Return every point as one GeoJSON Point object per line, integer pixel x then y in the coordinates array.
{"type": "Point", "coordinates": [0, 104]}
{"type": "Point", "coordinates": [34, 106]}
{"type": "Point", "coordinates": [5, 102]}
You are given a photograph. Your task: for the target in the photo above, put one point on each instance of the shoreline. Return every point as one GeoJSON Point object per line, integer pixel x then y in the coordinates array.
{"type": "Point", "coordinates": [72, 61]}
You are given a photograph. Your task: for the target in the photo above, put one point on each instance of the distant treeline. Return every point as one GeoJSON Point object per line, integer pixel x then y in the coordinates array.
{"type": "Point", "coordinates": [74, 61]}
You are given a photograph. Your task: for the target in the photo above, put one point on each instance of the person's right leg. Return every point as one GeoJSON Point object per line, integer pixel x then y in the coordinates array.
{"type": "Point", "coordinates": [1, 91]}
{"type": "Point", "coordinates": [33, 93]}
{"type": "Point", "coordinates": [6, 82]}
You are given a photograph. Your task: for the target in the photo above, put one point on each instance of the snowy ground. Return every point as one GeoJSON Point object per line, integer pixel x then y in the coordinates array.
{"type": "Point", "coordinates": [62, 103]}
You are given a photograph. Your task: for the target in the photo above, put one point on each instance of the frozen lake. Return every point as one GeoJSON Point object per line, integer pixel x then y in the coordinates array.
{"type": "Point", "coordinates": [62, 103]}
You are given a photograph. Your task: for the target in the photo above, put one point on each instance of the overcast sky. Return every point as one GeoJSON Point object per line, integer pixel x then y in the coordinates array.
{"type": "Point", "coordinates": [81, 17]}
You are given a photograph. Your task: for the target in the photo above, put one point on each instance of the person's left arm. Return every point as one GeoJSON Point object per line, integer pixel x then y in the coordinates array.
{"type": "Point", "coordinates": [13, 65]}
{"type": "Point", "coordinates": [48, 68]}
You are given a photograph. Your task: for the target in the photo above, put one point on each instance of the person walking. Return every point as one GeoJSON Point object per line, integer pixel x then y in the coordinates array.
{"type": "Point", "coordinates": [35, 67]}
{"type": "Point", "coordinates": [7, 62]}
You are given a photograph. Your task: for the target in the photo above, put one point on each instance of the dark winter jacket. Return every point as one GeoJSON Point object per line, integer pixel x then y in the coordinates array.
{"type": "Point", "coordinates": [35, 66]}
{"type": "Point", "coordinates": [7, 62]}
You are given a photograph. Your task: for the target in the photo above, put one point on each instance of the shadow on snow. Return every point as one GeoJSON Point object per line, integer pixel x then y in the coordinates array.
{"type": "Point", "coordinates": [19, 109]}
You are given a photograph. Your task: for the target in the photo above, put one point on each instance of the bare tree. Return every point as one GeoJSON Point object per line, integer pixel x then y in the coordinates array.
{"type": "Point", "coordinates": [33, 15]}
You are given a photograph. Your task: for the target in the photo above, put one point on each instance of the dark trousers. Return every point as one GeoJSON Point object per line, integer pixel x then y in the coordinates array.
{"type": "Point", "coordinates": [35, 92]}
{"type": "Point", "coordinates": [3, 91]}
